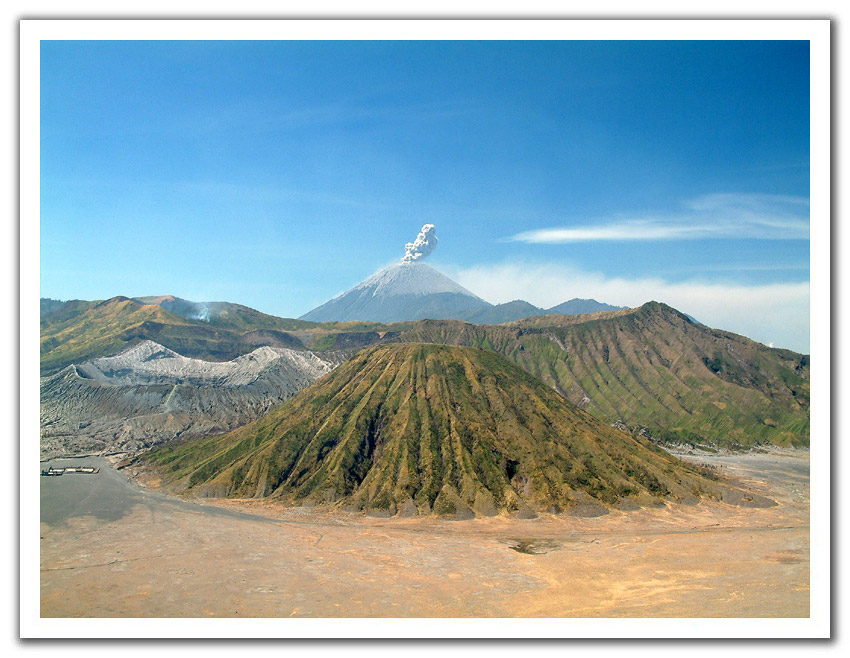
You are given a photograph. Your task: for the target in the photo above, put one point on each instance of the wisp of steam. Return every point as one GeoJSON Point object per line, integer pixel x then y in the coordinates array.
{"type": "Point", "coordinates": [202, 312]}
{"type": "Point", "coordinates": [423, 245]}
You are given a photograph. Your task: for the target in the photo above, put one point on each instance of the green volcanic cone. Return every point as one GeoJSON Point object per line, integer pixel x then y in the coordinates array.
{"type": "Point", "coordinates": [421, 428]}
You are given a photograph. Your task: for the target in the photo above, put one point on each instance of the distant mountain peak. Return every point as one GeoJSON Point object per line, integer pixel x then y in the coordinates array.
{"type": "Point", "coordinates": [578, 306]}
{"type": "Point", "coordinates": [411, 278]}
{"type": "Point", "coordinates": [404, 291]}
{"type": "Point", "coordinates": [519, 309]}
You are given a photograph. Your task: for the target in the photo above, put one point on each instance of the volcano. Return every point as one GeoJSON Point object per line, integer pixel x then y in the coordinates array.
{"type": "Point", "coordinates": [401, 292]}
{"type": "Point", "coordinates": [420, 428]}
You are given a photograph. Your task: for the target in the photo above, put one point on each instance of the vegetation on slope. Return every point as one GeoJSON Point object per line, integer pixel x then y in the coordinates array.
{"type": "Point", "coordinates": [654, 368]}
{"type": "Point", "coordinates": [225, 315]}
{"type": "Point", "coordinates": [47, 305]}
{"type": "Point", "coordinates": [416, 428]}
{"type": "Point", "coordinates": [76, 331]}
{"type": "Point", "coordinates": [651, 368]}
{"type": "Point", "coordinates": [79, 330]}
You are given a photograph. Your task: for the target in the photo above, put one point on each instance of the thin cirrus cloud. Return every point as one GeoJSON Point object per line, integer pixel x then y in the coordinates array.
{"type": "Point", "coordinates": [752, 216]}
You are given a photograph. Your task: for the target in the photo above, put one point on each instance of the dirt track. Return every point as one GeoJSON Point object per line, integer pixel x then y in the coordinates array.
{"type": "Point", "coordinates": [110, 549]}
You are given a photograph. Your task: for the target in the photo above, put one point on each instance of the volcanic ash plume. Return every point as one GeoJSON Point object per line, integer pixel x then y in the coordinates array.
{"type": "Point", "coordinates": [424, 244]}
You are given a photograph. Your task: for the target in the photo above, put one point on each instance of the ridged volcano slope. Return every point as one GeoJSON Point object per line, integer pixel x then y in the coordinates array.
{"type": "Point", "coordinates": [653, 367]}
{"type": "Point", "coordinates": [418, 428]}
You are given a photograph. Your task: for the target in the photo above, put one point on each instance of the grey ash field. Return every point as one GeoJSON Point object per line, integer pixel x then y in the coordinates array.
{"type": "Point", "coordinates": [375, 463]}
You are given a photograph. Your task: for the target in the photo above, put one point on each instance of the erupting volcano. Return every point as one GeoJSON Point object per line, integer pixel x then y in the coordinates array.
{"type": "Point", "coordinates": [410, 290]}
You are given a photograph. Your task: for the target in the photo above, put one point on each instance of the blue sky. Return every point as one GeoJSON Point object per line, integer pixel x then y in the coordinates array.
{"type": "Point", "coordinates": [279, 174]}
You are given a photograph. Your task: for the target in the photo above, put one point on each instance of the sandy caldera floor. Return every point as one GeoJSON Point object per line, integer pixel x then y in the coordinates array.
{"type": "Point", "coordinates": [111, 549]}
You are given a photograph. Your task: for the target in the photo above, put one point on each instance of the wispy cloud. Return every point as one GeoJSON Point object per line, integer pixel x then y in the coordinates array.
{"type": "Point", "coordinates": [728, 268]}
{"type": "Point", "coordinates": [772, 313]}
{"type": "Point", "coordinates": [754, 216]}
{"type": "Point", "coordinates": [251, 118]}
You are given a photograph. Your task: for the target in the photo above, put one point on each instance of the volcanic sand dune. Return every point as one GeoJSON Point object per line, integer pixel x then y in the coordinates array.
{"type": "Point", "coordinates": [112, 549]}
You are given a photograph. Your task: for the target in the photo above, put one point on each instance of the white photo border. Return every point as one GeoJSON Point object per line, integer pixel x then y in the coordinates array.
{"type": "Point", "coordinates": [816, 31]}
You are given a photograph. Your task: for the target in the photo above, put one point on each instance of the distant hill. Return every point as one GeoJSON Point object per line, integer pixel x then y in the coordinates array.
{"type": "Point", "coordinates": [580, 307]}
{"type": "Point", "coordinates": [519, 309]}
{"type": "Point", "coordinates": [500, 313]}
{"type": "Point", "coordinates": [418, 429]}
{"type": "Point", "coordinates": [79, 330]}
{"type": "Point", "coordinates": [224, 315]}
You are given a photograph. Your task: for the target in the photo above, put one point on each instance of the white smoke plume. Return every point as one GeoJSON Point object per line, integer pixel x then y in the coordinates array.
{"type": "Point", "coordinates": [202, 312]}
{"type": "Point", "coordinates": [424, 244]}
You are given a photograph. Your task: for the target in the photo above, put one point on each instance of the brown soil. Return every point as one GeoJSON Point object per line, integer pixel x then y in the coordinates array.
{"type": "Point", "coordinates": [707, 560]}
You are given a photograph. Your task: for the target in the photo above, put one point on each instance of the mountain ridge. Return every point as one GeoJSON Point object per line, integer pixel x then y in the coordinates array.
{"type": "Point", "coordinates": [651, 368]}
{"type": "Point", "coordinates": [654, 368]}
